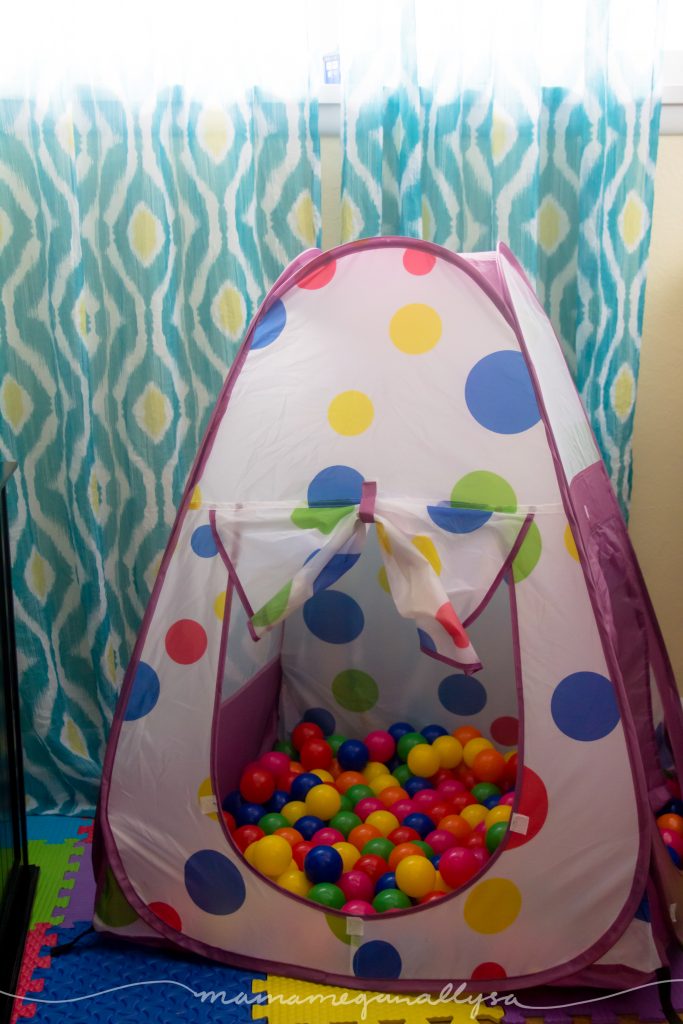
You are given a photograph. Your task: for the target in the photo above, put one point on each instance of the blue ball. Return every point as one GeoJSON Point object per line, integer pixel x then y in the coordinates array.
{"type": "Point", "coordinates": [320, 716]}
{"type": "Point", "coordinates": [399, 729]}
{"type": "Point", "coordinates": [277, 801]}
{"type": "Point", "coordinates": [414, 784]}
{"type": "Point", "coordinates": [308, 825]}
{"type": "Point", "coordinates": [323, 864]}
{"type": "Point", "coordinates": [672, 807]}
{"type": "Point", "coordinates": [386, 881]}
{"type": "Point", "coordinates": [301, 785]}
{"type": "Point", "coordinates": [431, 732]}
{"type": "Point", "coordinates": [249, 814]}
{"type": "Point", "coordinates": [232, 802]}
{"type": "Point", "coordinates": [435, 860]}
{"type": "Point", "coordinates": [394, 762]}
{"type": "Point", "coordinates": [420, 822]}
{"type": "Point", "coordinates": [674, 856]}
{"type": "Point", "coordinates": [492, 801]}
{"type": "Point", "coordinates": [352, 756]}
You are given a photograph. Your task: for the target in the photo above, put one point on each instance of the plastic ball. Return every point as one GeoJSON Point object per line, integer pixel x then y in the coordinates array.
{"type": "Point", "coordinates": [229, 820]}
{"type": "Point", "coordinates": [465, 733]}
{"type": "Point", "coordinates": [348, 853]}
{"type": "Point", "coordinates": [327, 895]}
{"type": "Point", "coordinates": [475, 840]}
{"type": "Point", "coordinates": [323, 864]}
{"type": "Point", "coordinates": [306, 731]}
{"type": "Point", "coordinates": [402, 773]}
{"type": "Point", "coordinates": [347, 780]}
{"type": "Point", "coordinates": [344, 821]}
{"type": "Point", "coordinates": [510, 775]}
{"type": "Point", "coordinates": [420, 822]}
{"type": "Point", "coordinates": [327, 837]}
{"type": "Point", "coordinates": [391, 899]}
{"type": "Point", "coordinates": [402, 808]}
{"type": "Point", "coordinates": [415, 876]}
{"type": "Point", "coordinates": [232, 802]}
{"type": "Point", "coordinates": [449, 788]}
{"type": "Point", "coordinates": [308, 825]}
{"type": "Point", "coordinates": [423, 760]}
{"type": "Point", "coordinates": [294, 810]}
{"type": "Point", "coordinates": [439, 810]}
{"type": "Point", "coordinates": [432, 732]}
{"type": "Point", "coordinates": [673, 807]}
{"type": "Point", "coordinates": [383, 820]}
{"type": "Point", "coordinates": [448, 750]}
{"type": "Point", "coordinates": [457, 826]}
{"type": "Point", "coordinates": [285, 747]}
{"type": "Point", "coordinates": [495, 835]}
{"type": "Point", "coordinates": [466, 775]}
{"type": "Point", "coordinates": [325, 776]}
{"type": "Point", "coordinates": [272, 855]}
{"type": "Point", "coordinates": [457, 866]}
{"type": "Point", "coordinates": [382, 782]}
{"type": "Point", "coordinates": [673, 822]}
{"type": "Point", "coordinates": [301, 785]}
{"type": "Point", "coordinates": [361, 834]}
{"type": "Point", "coordinates": [402, 834]}
{"type": "Point", "coordinates": [492, 802]}
{"type": "Point", "coordinates": [402, 851]}
{"type": "Point", "coordinates": [507, 800]}
{"type": "Point", "coordinates": [353, 756]}
{"type": "Point", "coordinates": [249, 854]}
{"type": "Point", "coordinates": [474, 814]}
{"type": "Point", "coordinates": [284, 781]}
{"type": "Point", "coordinates": [440, 840]}
{"type": "Point", "coordinates": [358, 907]}
{"type": "Point", "coordinates": [381, 847]}
{"type": "Point", "coordinates": [474, 747]}
{"type": "Point", "coordinates": [277, 801]}
{"type": "Point", "coordinates": [440, 885]}
{"type": "Point", "coordinates": [245, 835]}
{"type": "Point", "coordinates": [272, 822]}
{"type": "Point", "coordinates": [293, 880]}
{"type": "Point", "coordinates": [367, 806]}
{"type": "Point", "coordinates": [399, 729]}
{"type": "Point", "coordinates": [488, 765]}
{"type": "Point", "coordinates": [672, 839]}
{"type": "Point", "coordinates": [429, 897]}
{"type": "Point", "coordinates": [373, 769]}
{"type": "Point", "coordinates": [292, 835]}
{"type": "Point", "coordinates": [321, 717]}
{"type": "Point", "coordinates": [249, 814]}
{"type": "Point", "coordinates": [675, 857]}
{"type": "Point", "coordinates": [356, 885]}
{"type": "Point", "coordinates": [372, 865]}
{"type": "Point", "coordinates": [462, 800]}
{"type": "Point", "coordinates": [386, 881]}
{"type": "Point", "coordinates": [381, 745]}
{"type": "Point", "coordinates": [425, 799]}
{"type": "Point", "coordinates": [496, 814]}
{"type": "Point", "coordinates": [335, 741]}
{"type": "Point", "coordinates": [407, 742]}
{"type": "Point", "coordinates": [483, 791]}
{"type": "Point", "coordinates": [415, 784]}
{"type": "Point", "coordinates": [346, 804]}
{"type": "Point", "coordinates": [323, 801]}
{"type": "Point", "coordinates": [275, 761]}
{"type": "Point", "coordinates": [299, 851]}
{"type": "Point", "coordinates": [316, 753]}
{"type": "Point", "coordinates": [442, 775]}
{"type": "Point", "coordinates": [359, 792]}
{"type": "Point", "coordinates": [481, 854]}
{"type": "Point", "coordinates": [425, 847]}
{"type": "Point", "coordinates": [391, 795]}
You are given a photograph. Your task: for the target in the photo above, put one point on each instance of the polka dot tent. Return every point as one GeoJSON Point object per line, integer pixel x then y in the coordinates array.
{"type": "Point", "coordinates": [334, 617]}
{"type": "Point", "coordinates": [335, 486]}
{"type": "Point", "coordinates": [492, 906]}
{"type": "Point", "coordinates": [584, 706]}
{"type": "Point", "coordinates": [355, 690]}
{"type": "Point", "coordinates": [196, 497]}
{"type": "Point", "coordinates": [426, 547]}
{"type": "Point", "coordinates": [570, 543]}
{"type": "Point", "coordinates": [186, 641]}
{"type": "Point", "coordinates": [337, 567]}
{"type": "Point", "coordinates": [350, 413]}
{"type": "Point", "coordinates": [418, 262]}
{"type": "Point", "coordinates": [474, 497]}
{"type": "Point", "coordinates": [270, 325]}
{"type": "Point", "coordinates": [505, 731]}
{"type": "Point", "coordinates": [415, 328]}
{"type": "Point", "coordinates": [377, 959]}
{"type": "Point", "coordinates": [337, 926]}
{"type": "Point", "coordinates": [203, 542]}
{"type": "Point", "coordinates": [112, 907]}
{"type": "Point", "coordinates": [447, 618]}
{"type": "Point", "coordinates": [528, 555]}
{"type": "Point", "coordinates": [319, 278]}
{"type": "Point", "coordinates": [214, 883]}
{"type": "Point", "coordinates": [462, 695]}
{"type": "Point", "coordinates": [488, 972]}
{"type": "Point", "coordinates": [167, 914]}
{"type": "Point", "coordinates": [500, 395]}
{"type": "Point", "coordinates": [219, 606]}
{"type": "Point", "coordinates": [426, 642]}
{"type": "Point", "coordinates": [144, 693]}
{"type": "Point", "coordinates": [533, 802]}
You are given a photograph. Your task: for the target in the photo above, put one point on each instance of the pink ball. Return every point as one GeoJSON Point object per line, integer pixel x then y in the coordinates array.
{"type": "Point", "coordinates": [481, 827]}
{"type": "Point", "coordinates": [481, 853]}
{"type": "Point", "coordinates": [457, 866]}
{"type": "Point", "coordinates": [440, 840]}
{"type": "Point", "coordinates": [356, 885]}
{"type": "Point", "coordinates": [381, 745]}
{"type": "Point", "coordinates": [450, 788]}
{"type": "Point", "coordinates": [367, 805]}
{"type": "Point", "coordinates": [402, 808]}
{"type": "Point", "coordinates": [426, 798]}
{"type": "Point", "coordinates": [275, 761]}
{"type": "Point", "coordinates": [672, 839]}
{"type": "Point", "coordinates": [358, 907]}
{"type": "Point", "coordinates": [507, 800]}
{"type": "Point", "coordinates": [327, 837]}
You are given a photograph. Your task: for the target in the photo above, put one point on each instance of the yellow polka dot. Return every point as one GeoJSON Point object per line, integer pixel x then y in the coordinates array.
{"type": "Point", "coordinates": [383, 538]}
{"type": "Point", "coordinates": [351, 412]}
{"type": "Point", "coordinates": [415, 328]}
{"type": "Point", "coordinates": [570, 543]}
{"type": "Point", "coordinates": [382, 579]}
{"type": "Point", "coordinates": [426, 547]}
{"type": "Point", "coordinates": [206, 790]}
{"type": "Point", "coordinates": [492, 906]}
{"type": "Point", "coordinates": [196, 499]}
{"type": "Point", "coordinates": [219, 606]}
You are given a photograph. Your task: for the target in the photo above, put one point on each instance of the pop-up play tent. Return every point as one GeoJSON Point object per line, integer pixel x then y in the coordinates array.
{"type": "Point", "coordinates": [399, 512]}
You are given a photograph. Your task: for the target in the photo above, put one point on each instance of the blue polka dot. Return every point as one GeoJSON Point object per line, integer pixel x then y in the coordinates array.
{"type": "Point", "coordinates": [203, 542]}
{"type": "Point", "coordinates": [144, 693]}
{"type": "Point", "coordinates": [335, 486]}
{"type": "Point", "coordinates": [500, 395]}
{"type": "Point", "coordinates": [457, 520]}
{"type": "Point", "coordinates": [322, 717]}
{"type": "Point", "coordinates": [377, 959]}
{"type": "Point", "coordinates": [426, 642]}
{"type": "Point", "coordinates": [462, 695]}
{"type": "Point", "coordinates": [214, 883]}
{"type": "Point", "coordinates": [584, 706]}
{"type": "Point", "coordinates": [270, 325]}
{"type": "Point", "coordinates": [334, 617]}
{"type": "Point", "coordinates": [334, 570]}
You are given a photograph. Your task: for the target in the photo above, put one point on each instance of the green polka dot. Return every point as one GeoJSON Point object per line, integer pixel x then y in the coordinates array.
{"type": "Point", "coordinates": [112, 908]}
{"type": "Point", "coordinates": [273, 609]}
{"type": "Point", "coordinates": [528, 555]}
{"type": "Point", "coordinates": [323, 519]}
{"type": "Point", "coordinates": [482, 489]}
{"type": "Point", "coordinates": [355, 690]}
{"type": "Point", "coordinates": [337, 926]}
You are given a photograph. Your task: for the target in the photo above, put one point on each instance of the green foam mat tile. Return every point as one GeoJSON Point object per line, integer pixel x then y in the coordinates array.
{"type": "Point", "coordinates": [54, 860]}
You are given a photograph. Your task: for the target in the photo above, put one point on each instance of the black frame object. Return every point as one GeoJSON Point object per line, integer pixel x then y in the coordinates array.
{"type": "Point", "coordinates": [17, 877]}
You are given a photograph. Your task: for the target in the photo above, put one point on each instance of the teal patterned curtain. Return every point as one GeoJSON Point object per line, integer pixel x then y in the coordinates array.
{"type": "Point", "coordinates": [531, 123]}
{"type": "Point", "coordinates": [141, 223]}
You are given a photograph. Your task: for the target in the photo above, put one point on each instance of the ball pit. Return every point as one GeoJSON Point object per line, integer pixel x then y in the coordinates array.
{"type": "Point", "coordinates": [391, 821]}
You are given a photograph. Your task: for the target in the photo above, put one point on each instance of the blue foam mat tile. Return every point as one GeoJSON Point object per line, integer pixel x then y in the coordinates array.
{"type": "Point", "coordinates": [54, 828]}
{"type": "Point", "coordinates": [134, 983]}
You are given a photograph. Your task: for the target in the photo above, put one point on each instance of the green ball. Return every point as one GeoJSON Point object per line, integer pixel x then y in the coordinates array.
{"type": "Point", "coordinates": [407, 742]}
{"type": "Point", "coordinates": [483, 791]}
{"type": "Point", "coordinates": [335, 741]}
{"type": "Point", "coordinates": [495, 835]}
{"type": "Point", "coordinates": [391, 899]}
{"type": "Point", "coordinates": [346, 804]}
{"type": "Point", "coordinates": [285, 747]}
{"type": "Point", "coordinates": [359, 792]}
{"type": "Point", "coordinates": [380, 846]}
{"type": "Point", "coordinates": [424, 846]}
{"type": "Point", "coordinates": [271, 822]}
{"type": "Point", "coordinates": [328, 895]}
{"type": "Point", "coordinates": [344, 821]}
{"type": "Point", "coordinates": [402, 774]}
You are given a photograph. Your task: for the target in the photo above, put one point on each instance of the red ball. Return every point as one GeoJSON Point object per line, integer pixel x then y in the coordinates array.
{"type": "Point", "coordinates": [457, 866]}
{"type": "Point", "coordinates": [507, 800]}
{"type": "Point", "coordinates": [475, 840]}
{"type": "Point", "coordinates": [481, 853]}
{"type": "Point", "coordinates": [306, 731]}
{"type": "Point", "coordinates": [275, 761]}
{"type": "Point", "coordinates": [372, 865]}
{"type": "Point", "coordinates": [450, 788]}
{"type": "Point", "coordinates": [358, 907]}
{"type": "Point", "coordinates": [299, 851]}
{"type": "Point", "coordinates": [327, 837]}
{"type": "Point", "coordinates": [402, 808]}
{"type": "Point", "coordinates": [440, 810]}
{"type": "Point", "coordinates": [245, 835]}
{"type": "Point", "coordinates": [316, 753]}
{"type": "Point", "coordinates": [431, 896]}
{"type": "Point", "coordinates": [489, 766]}
{"type": "Point", "coordinates": [367, 805]}
{"type": "Point", "coordinates": [425, 799]}
{"type": "Point", "coordinates": [509, 776]}
{"type": "Point", "coordinates": [440, 840]}
{"type": "Point", "coordinates": [229, 821]}
{"type": "Point", "coordinates": [403, 834]}
{"type": "Point", "coordinates": [257, 785]}
{"type": "Point", "coordinates": [357, 885]}
{"type": "Point", "coordinates": [284, 781]}
{"type": "Point", "coordinates": [381, 745]}
{"type": "Point", "coordinates": [461, 800]}
{"type": "Point", "coordinates": [443, 775]}
{"type": "Point", "coordinates": [466, 775]}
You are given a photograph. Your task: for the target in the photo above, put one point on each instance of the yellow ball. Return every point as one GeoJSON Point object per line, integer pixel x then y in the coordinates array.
{"type": "Point", "coordinates": [448, 750]}
{"type": "Point", "coordinates": [348, 853]}
{"type": "Point", "coordinates": [439, 884]}
{"type": "Point", "coordinates": [323, 775]}
{"type": "Point", "coordinates": [294, 810]}
{"type": "Point", "coordinates": [249, 854]}
{"type": "Point", "coordinates": [473, 748]}
{"type": "Point", "coordinates": [382, 782]}
{"type": "Point", "coordinates": [385, 821]}
{"type": "Point", "coordinates": [502, 812]}
{"type": "Point", "coordinates": [323, 801]}
{"type": "Point", "coordinates": [294, 881]}
{"type": "Point", "coordinates": [272, 855]}
{"type": "Point", "coordinates": [509, 754]}
{"type": "Point", "coordinates": [373, 769]}
{"type": "Point", "coordinates": [423, 760]}
{"type": "Point", "coordinates": [474, 814]}
{"type": "Point", "coordinates": [415, 876]}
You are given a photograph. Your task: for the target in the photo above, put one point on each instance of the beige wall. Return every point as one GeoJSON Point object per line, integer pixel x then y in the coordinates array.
{"type": "Point", "coordinates": [657, 509]}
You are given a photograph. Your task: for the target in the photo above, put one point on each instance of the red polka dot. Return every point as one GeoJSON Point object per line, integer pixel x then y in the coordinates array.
{"type": "Point", "coordinates": [186, 641]}
{"type": "Point", "coordinates": [417, 262]}
{"type": "Point", "coordinates": [534, 803]}
{"type": "Point", "coordinates": [319, 278]}
{"type": "Point", "coordinates": [488, 972]}
{"type": "Point", "coordinates": [447, 618]}
{"type": "Point", "coordinates": [167, 914]}
{"type": "Point", "coordinates": [505, 730]}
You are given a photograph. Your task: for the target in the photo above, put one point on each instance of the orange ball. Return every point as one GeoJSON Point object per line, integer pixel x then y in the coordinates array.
{"type": "Point", "coordinates": [457, 826]}
{"type": "Point", "coordinates": [348, 779]}
{"type": "Point", "coordinates": [335, 768]}
{"type": "Point", "coordinates": [489, 766]}
{"type": "Point", "coordinates": [362, 834]}
{"type": "Point", "coordinates": [402, 851]}
{"type": "Point", "coordinates": [290, 834]}
{"type": "Point", "coordinates": [674, 822]}
{"type": "Point", "coordinates": [466, 733]}
{"type": "Point", "coordinates": [296, 768]}
{"type": "Point", "coordinates": [391, 794]}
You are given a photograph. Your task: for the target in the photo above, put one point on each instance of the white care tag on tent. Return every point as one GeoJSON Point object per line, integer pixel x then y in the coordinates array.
{"type": "Point", "coordinates": [208, 804]}
{"type": "Point", "coordinates": [519, 823]}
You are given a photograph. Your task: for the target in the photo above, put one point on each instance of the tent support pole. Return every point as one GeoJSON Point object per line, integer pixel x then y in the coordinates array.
{"type": "Point", "coordinates": [664, 990]}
